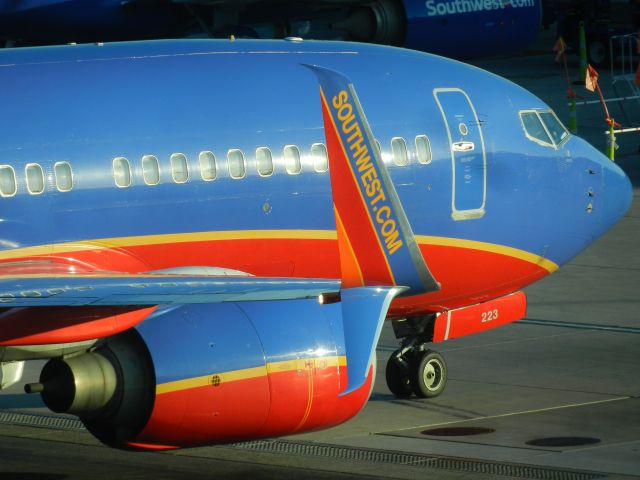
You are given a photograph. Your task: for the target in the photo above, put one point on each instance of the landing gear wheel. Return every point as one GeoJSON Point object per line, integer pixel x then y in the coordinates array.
{"type": "Point", "coordinates": [398, 379]}
{"type": "Point", "coordinates": [429, 374]}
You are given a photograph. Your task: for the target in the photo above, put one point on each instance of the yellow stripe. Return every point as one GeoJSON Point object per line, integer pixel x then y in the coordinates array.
{"type": "Point", "coordinates": [145, 240]}
{"type": "Point", "coordinates": [209, 379]}
{"type": "Point", "coordinates": [489, 247]}
{"type": "Point", "coordinates": [248, 373]}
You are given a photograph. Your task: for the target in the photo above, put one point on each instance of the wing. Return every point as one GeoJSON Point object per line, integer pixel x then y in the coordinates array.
{"type": "Point", "coordinates": [41, 290]}
{"type": "Point", "coordinates": [63, 308]}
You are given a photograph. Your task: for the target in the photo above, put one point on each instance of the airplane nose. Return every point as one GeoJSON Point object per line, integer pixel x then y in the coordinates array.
{"type": "Point", "coordinates": [617, 193]}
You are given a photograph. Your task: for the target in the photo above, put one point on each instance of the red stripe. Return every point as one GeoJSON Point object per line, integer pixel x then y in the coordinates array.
{"type": "Point", "coordinates": [37, 326]}
{"type": "Point", "coordinates": [253, 408]}
{"type": "Point", "coordinates": [468, 276]}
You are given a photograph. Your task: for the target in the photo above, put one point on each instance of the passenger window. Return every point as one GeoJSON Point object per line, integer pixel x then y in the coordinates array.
{"type": "Point", "coordinates": [64, 176]}
{"type": "Point", "coordinates": [179, 168]}
{"type": "Point", "coordinates": [121, 172]}
{"type": "Point", "coordinates": [235, 161]}
{"type": "Point", "coordinates": [292, 159]}
{"type": "Point", "coordinates": [35, 178]}
{"type": "Point", "coordinates": [8, 186]}
{"type": "Point", "coordinates": [534, 128]}
{"type": "Point", "coordinates": [558, 133]}
{"type": "Point", "coordinates": [150, 170]}
{"type": "Point", "coordinates": [207, 161]}
{"type": "Point", "coordinates": [264, 161]}
{"type": "Point", "coordinates": [320, 157]}
{"type": "Point", "coordinates": [399, 151]}
{"type": "Point", "coordinates": [423, 147]}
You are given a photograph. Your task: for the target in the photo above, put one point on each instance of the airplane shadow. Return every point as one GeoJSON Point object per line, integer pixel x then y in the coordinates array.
{"type": "Point", "coordinates": [20, 401]}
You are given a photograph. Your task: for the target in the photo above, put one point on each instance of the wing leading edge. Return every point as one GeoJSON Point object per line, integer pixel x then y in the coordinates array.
{"type": "Point", "coordinates": [152, 289]}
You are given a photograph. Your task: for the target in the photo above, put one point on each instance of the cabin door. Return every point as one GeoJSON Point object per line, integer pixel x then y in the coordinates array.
{"type": "Point", "coordinates": [468, 159]}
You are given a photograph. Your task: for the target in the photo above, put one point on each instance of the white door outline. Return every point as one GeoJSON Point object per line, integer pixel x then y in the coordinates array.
{"type": "Point", "coordinates": [463, 146]}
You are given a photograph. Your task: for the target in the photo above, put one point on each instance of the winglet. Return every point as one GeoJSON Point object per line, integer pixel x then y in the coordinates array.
{"type": "Point", "coordinates": [376, 244]}
{"type": "Point", "coordinates": [363, 312]}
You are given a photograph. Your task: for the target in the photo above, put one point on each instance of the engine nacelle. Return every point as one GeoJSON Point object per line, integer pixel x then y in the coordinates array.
{"type": "Point", "coordinates": [382, 21]}
{"type": "Point", "coordinates": [203, 374]}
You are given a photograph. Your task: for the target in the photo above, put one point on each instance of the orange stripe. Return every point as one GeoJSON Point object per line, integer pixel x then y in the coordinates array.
{"type": "Point", "coordinates": [351, 275]}
{"type": "Point", "coordinates": [307, 412]}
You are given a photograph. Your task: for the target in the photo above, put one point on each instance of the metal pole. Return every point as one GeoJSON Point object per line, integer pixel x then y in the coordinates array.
{"type": "Point", "coordinates": [611, 141]}
{"type": "Point", "coordinates": [583, 53]}
{"type": "Point", "coordinates": [573, 117]}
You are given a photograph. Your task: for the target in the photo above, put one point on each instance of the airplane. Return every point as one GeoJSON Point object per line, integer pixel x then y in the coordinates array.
{"type": "Point", "coordinates": [204, 237]}
{"type": "Point", "coordinates": [454, 28]}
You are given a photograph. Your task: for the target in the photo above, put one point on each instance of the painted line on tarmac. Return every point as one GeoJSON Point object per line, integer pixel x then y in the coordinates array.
{"type": "Point", "coordinates": [524, 412]}
{"type": "Point", "coordinates": [579, 326]}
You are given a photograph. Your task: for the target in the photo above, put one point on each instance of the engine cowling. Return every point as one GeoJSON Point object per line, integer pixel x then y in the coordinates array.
{"type": "Point", "coordinates": [202, 374]}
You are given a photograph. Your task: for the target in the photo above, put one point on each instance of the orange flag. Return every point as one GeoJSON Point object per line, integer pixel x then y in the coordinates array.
{"type": "Point", "coordinates": [591, 80]}
{"type": "Point", "coordinates": [559, 48]}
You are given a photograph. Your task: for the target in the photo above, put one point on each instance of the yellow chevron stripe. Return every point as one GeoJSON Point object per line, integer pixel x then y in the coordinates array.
{"type": "Point", "coordinates": [248, 373]}
{"type": "Point", "coordinates": [145, 240]}
{"type": "Point", "coordinates": [489, 247]}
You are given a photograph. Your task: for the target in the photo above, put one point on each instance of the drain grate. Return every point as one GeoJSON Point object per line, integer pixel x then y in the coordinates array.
{"type": "Point", "coordinates": [42, 421]}
{"type": "Point", "coordinates": [416, 460]}
{"type": "Point", "coordinates": [348, 453]}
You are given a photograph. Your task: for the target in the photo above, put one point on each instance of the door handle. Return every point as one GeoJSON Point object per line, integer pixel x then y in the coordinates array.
{"type": "Point", "coordinates": [463, 146]}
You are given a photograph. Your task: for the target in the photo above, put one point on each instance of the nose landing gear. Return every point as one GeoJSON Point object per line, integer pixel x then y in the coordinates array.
{"type": "Point", "coordinates": [414, 368]}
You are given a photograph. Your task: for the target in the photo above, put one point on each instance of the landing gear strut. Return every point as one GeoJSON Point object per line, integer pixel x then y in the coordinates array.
{"type": "Point", "coordinates": [414, 368]}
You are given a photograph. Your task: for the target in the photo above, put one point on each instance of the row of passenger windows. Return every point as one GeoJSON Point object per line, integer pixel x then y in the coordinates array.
{"type": "Point", "coordinates": [264, 164]}
{"type": "Point", "coordinates": [208, 166]}
{"type": "Point", "coordinates": [35, 180]}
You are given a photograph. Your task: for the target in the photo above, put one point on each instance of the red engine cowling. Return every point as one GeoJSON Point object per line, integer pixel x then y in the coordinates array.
{"type": "Point", "coordinates": [204, 374]}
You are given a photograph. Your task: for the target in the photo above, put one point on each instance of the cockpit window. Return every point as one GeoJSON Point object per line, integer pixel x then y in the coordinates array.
{"type": "Point", "coordinates": [543, 127]}
{"type": "Point", "coordinates": [534, 128]}
{"type": "Point", "coordinates": [555, 128]}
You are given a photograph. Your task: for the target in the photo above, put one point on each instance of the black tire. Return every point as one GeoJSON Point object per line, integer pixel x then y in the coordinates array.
{"type": "Point", "coordinates": [398, 378]}
{"type": "Point", "coordinates": [429, 374]}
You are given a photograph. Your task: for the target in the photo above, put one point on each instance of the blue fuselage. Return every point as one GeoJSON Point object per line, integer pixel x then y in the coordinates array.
{"type": "Point", "coordinates": [88, 105]}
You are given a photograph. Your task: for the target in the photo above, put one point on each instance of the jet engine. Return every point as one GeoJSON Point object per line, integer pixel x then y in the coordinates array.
{"type": "Point", "coordinates": [202, 374]}
{"type": "Point", "coordinates": [383, 21]}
